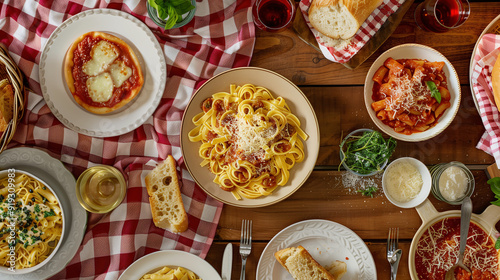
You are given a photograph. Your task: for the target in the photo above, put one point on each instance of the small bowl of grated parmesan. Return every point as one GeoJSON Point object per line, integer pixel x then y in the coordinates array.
{"type": "Point", "coordinates": [406, 182]}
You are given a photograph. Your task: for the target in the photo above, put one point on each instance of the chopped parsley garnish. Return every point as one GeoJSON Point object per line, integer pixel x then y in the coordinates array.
{"type": "Point", "coordinates": [369, 191]}
{"type": "Point", "coordinates": [48, 213]}
{"type": "Point", "coordinates": [37, 208]}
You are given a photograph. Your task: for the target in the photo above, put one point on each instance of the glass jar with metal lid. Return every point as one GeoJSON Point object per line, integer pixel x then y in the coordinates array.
{"type": "Point", "coordinates": [452, 182]}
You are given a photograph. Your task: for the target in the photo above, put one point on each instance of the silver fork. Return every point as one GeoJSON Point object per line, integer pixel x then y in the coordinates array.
{"type": "Point", "coordinates": [245, 244]}
{"type": "Point", "coordinates": [393, 253]}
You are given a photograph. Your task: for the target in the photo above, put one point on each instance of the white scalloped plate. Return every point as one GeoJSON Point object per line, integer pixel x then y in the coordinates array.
{"type": "Point", "coordinates": [327, 242]}
{"type": "Point", "coordinates": [53, 172]}
{"type": "Point", "coordinates": [57, 95]}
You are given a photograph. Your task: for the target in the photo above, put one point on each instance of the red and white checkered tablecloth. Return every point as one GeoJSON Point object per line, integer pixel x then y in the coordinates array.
{"type": "Point", "coordinates": [221, 36]}
{"type": "Point", "coordinates": [484, 59]}
{"type": "Point", "coordinates": [344, 50]}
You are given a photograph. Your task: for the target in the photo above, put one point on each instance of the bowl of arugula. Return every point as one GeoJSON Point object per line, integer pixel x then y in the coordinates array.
{"type": "Point", "coordinates": [171, 14]}
{"type": "Point", "coordinates": [365, 152]}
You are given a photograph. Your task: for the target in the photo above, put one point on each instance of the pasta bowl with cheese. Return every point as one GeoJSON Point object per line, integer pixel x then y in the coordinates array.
{"type": "Point", "coordinates": [249, 137]}
{"type": "Point", "coordinates": [32, 227]}
{"type": "Point", "coordinates": [412, 92]}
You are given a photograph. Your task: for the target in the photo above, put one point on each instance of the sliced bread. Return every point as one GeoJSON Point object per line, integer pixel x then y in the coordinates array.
{"type": "Point", "coordinates": [6, 104]}
{"type": "Point", "coordinates": [301, 264]}
{"type": "Point", "coordinates": [340, 19]}
{"type": "Point", "coordinates": [165, 197]}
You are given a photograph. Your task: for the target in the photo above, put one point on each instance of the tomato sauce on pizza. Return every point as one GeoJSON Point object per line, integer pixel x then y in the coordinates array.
{"type": "Point", "coordinates": [102, 72]}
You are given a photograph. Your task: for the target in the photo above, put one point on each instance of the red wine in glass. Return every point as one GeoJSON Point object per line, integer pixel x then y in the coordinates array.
{"type": "Point", "coordinates": [441, 15]}
{"type": "Point", "coordinates": [273, 15]}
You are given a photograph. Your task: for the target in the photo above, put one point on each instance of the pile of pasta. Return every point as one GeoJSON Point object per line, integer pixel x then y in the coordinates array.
{"type": "Point", "coordinates": [410, 95]}
{"type": "Point", "coordinates": [167, 273]}
{"type": "Point", "coordinates": [32, 222]}
{"type": "Point", "coordinates": [250, 140]}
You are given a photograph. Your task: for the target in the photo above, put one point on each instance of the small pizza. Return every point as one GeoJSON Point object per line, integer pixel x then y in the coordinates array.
{"type": "Point", "coordinates": [102, 72]}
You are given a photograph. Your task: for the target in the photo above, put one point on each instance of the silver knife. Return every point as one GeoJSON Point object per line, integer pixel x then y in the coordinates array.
{"type": "Point", "coordinates": [227, 262]}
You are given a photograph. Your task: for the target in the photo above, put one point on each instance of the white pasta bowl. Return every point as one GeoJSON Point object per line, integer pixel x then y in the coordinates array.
{"type": "Point", "coordinates": [424, 191]}
{"type": "Point", "coordinates": [6, 270]}
{"type": "Point", "coordinates": [278, 86]}
{"type": "Point", "coordinates": [415, 51]}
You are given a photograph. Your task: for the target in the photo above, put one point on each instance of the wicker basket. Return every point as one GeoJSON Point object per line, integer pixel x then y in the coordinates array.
{"type": "Point", "coordinates": [9, 70]}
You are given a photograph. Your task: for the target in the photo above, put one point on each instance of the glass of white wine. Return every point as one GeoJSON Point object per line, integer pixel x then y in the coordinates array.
{"type": "Point", "coordinates": [101, 188]}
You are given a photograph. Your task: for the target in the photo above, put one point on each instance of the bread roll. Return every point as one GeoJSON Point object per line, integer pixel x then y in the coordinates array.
{"type": "Point", "coordinates": [495, 82]}
{"type": "Point", "coordinates": [301, 265]}
{"type": "Point", "coordinates": [340, 19]}
{"type": "Point", "coordinates": [165, 197]}
{"type": "Point", "coordinates": [6, 104]}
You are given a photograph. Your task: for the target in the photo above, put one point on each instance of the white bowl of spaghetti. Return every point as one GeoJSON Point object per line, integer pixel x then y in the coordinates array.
{"type": "Point", "coordinates": [32, 217]}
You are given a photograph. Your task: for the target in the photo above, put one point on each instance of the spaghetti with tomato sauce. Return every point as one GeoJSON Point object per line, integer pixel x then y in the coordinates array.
{"type": "Point", "coordinates": [250, 140]}
{"type": "Point", "coordinates": [437, 251]}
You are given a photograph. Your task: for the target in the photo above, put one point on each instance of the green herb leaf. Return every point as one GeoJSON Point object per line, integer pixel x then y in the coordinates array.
{"type": "Point", "coordinates": [48, 214]}
{"type": "Point", "coordinates": [171, 10]}
{"type": "Point", "coordinates": [366, 153]}
{"type": "Point", "coordinates": [495, 188]}
{"type": "Point", "coordinates": [434, 91]}
{"type": "Point", "coordinates": [369, 191]}
{"type": "Point", "coordinates": [497, 244]}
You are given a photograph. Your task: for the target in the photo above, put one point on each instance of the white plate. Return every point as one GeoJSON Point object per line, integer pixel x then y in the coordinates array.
{"type": "Point", "coordinates": [54, 173]}
{"type": "Point", "coordinates": [171, 258]}
{"type": "Point", "coordinates": [416, 51]}
{"type": "Point", "coordinates": [327, 242]}
{"type": "Point", "coordinates": [57, 95]}
{"type": "Point", "coordinates": [279, 86]}
{"type": "Point", "coordinates": [493, 25]}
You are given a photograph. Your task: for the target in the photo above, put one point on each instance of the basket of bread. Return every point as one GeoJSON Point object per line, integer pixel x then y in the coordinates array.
{"type": "Point", "coordinates": [11, 97]}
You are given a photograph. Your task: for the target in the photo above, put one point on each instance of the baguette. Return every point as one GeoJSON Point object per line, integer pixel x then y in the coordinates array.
{"type": "Point", "coordinates": [495, 82]}
{"type": "Point", "coordinates": [340, 19]}
{"type": "Point", "coordinates": [301, 264]}
{"type": "Point", "coordinates": [165, 197]}
{"type": "Point", "coordinates": [6, 104]}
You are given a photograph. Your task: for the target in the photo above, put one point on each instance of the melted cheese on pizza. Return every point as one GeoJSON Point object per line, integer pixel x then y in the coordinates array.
{"type": "Point", "coordinates": [103, 54]}
{"type": "Point", "coordinates": [100, 87]}
{"type": "Point", "coordinates": [120, 72]}
{"type": "Point", "coordinates": [105, 71]}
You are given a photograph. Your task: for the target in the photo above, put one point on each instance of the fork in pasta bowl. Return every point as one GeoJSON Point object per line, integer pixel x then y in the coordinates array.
{"type": "Point", "coordinates": [33, 222]}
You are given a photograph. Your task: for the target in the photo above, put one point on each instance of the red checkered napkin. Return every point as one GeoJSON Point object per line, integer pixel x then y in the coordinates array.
{"type": "Point", "coordinates": [348, 48]}
{"type": "Point", "coordinates": [221, 36]}
{"type": "Point", "coordinates": [484, 59]}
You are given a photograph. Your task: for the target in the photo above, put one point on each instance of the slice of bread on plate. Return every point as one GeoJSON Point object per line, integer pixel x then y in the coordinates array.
{"type": "Point", "coordinates": [165, 197]}
{"type": "Point", "coordinates": [302, 265]}
{"type": "Point", "coordinates": [340, 19]}
{"type": "Point", "coordinates": [6, 104]}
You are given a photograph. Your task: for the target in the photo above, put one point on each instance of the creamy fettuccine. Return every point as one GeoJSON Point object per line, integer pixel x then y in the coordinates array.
{"type": "Point", "coordinates": [31, 224]}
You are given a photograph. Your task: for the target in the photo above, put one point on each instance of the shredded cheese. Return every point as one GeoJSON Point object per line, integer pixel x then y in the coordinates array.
{"type": "Point", "coordinates": [403, 181]}
{"type": "Point", "coordinates": [439, 249]}
{"type": "Point", "coordinates": [408, 94]}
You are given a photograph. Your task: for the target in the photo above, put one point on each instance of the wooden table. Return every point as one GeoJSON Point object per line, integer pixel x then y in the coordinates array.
{"type": "Point", "coordinates": [336, 93]}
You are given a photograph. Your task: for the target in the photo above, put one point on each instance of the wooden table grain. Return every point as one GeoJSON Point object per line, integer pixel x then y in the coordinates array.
{"type": "Point", "coordinates": [336, 93]}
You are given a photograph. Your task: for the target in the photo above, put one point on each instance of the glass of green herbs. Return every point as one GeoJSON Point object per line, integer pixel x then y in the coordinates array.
{"type": "Point", "coordinates": [171, 13]}
{"type": "Point", "coordinates": [365, 152]}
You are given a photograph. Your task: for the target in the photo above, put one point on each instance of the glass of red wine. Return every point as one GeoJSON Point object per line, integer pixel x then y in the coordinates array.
{"type": "Point", "coordinates": [441, 15]}
{"type": "Point", "coordinates": [273, 15]}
